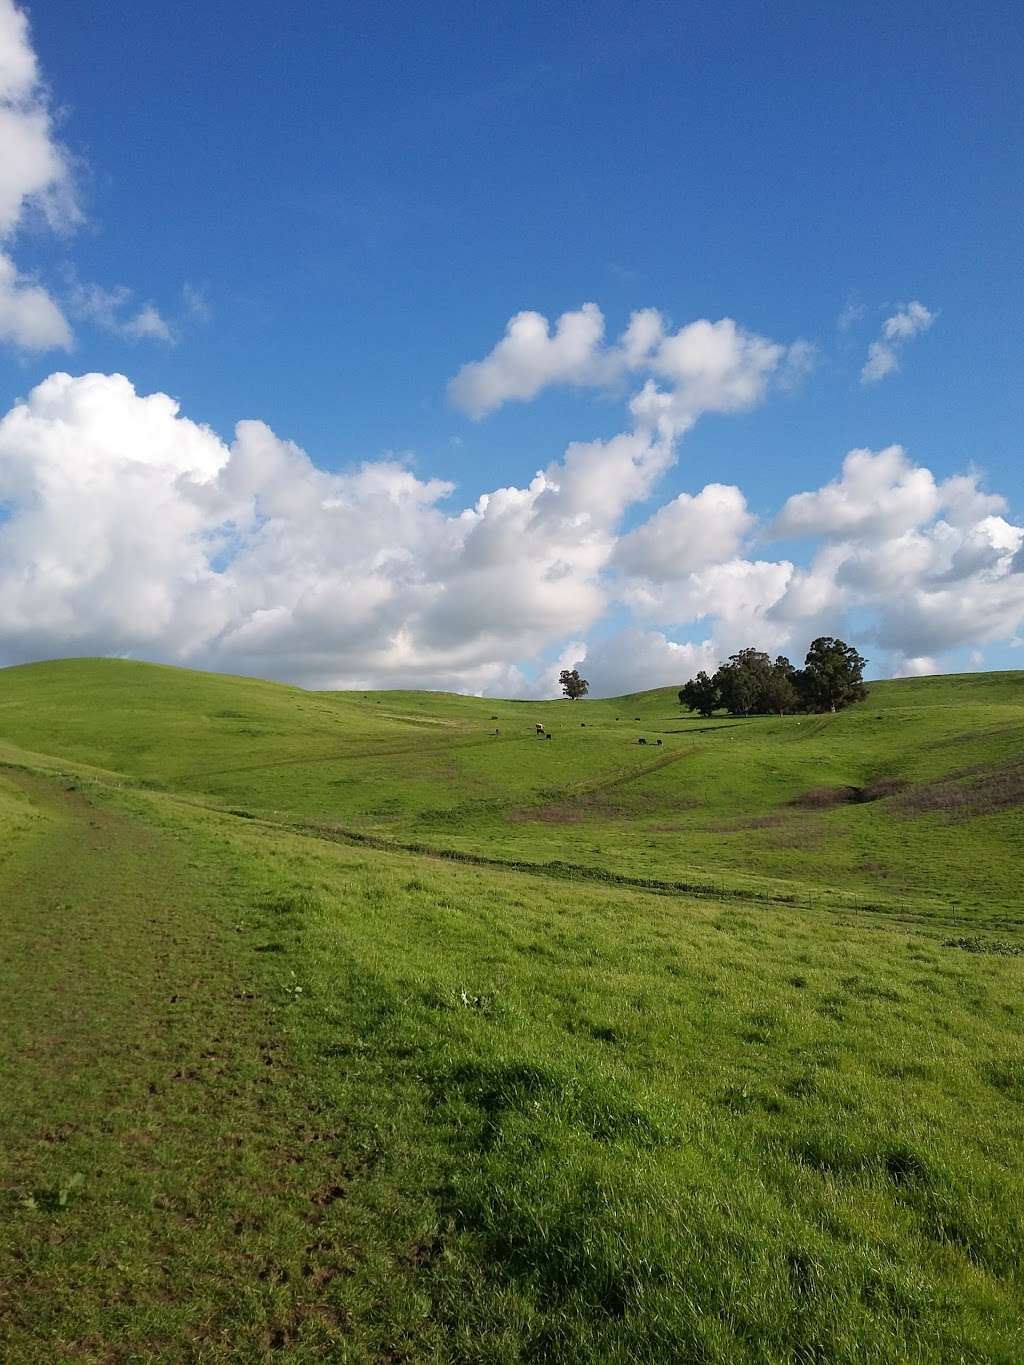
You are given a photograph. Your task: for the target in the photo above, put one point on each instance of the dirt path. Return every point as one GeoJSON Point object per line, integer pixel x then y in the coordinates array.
{"type": "Point", "coordinates": [152, 1124]}
{"type": "Point", "coordinates": [92, 950]}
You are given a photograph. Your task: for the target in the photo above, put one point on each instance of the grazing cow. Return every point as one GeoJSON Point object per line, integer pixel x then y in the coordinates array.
{"type": "Point", "coordinates": [540, 729]}
{"type": "Point", "coordinates": [657, 741]}
{"type": "Point", "coordinates": [583, 724]}
{"type": "Point", "coordinates": [641, 741]}
{"type": "Point", "coordinates": [547, 736]}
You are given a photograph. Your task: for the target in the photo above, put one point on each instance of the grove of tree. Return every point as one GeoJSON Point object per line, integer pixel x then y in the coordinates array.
{"type": "Point", "coordinates": [751, 684]}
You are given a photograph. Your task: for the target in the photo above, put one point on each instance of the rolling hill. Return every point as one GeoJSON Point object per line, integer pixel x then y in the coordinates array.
{"type": "Point", "coordinates": [913, 799]}
{"type": "Point", "coordinates": [371, 1026]}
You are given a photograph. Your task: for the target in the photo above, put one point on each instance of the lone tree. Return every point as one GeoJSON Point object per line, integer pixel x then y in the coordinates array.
{"type": "Point", "coordinates": [700, 694]}
{"type": "Point", "coordinates": [573, 686]}
{"type": "Point", "coordinates": [832, 676]}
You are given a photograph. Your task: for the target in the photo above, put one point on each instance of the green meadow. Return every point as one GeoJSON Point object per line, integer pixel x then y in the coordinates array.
{"type": "Point", "coordinates": [374, 1027]}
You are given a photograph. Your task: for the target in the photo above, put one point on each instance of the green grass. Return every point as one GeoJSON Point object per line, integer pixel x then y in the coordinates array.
{"type": "Point", "coordinates": [273, 1093]}
{"type": "Point", "coordinates": [727, 803]}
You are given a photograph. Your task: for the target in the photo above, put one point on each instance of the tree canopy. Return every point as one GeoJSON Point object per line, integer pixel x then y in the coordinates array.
{"type": "Point", "coordinates": [833, 675]}
{"type": "Point", "coordinates": [573, 686]}
{"type": "Point", "coordinates": [749, 683]}
{"type": "Point", "coordinates": [700, 694]}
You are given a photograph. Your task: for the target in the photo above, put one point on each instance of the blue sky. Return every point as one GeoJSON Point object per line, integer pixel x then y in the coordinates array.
{"type": "Point", "coordinates": [333, 210]}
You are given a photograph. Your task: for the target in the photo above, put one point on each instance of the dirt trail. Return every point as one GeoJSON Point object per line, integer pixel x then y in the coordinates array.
{"type": "Point", "coordinates": [129, 1051]}
{"type": "Point", "coordinates": [91, 948]}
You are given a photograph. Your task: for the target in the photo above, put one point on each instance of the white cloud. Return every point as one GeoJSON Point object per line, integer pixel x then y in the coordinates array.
{"type": "Point", "coordinates": [530, 357]}
{"type": "Point", "coordinates": [880, 362]}
{"type": "Point", "coordinates": [920, 667]}
{"type": "Point", "coordinates": [36, 179]}
{"type": "Point", "coordinates": [923, 568]}
{"type": "Point", "coordinates": [129, 529]}
{"type": "Point", "coordinates": [35, 171]}
{"type": "Point", "coordinates": [907, 322]}
{"type": "Point", "coordinates": [686, 534]}
{"type": "Point", "coordinates": [35, 175]}
{"type": "Point", "coordinates": [544, 683]}
{"type": "Point", "coordinates": [98, 304]}
{"type": "Point", "coordinates": [710, 367]}
{"type": "Point", "coordinates": [634, 659]}
{"type": "Point", "coordinates": [932, 566]}
{"type": "Point", "coordinates": [147, 322]}
{"type": "Point", "coordinates": [881, 493]}
{"type": "Point", "coordinates": [29, 318]}
{"type": "Point", "coordinates": [883, 355]}
{"type": "Point", "coordinates": [111, 310]}
{"type": "Point", "coordinates": [19, 76]}
{"type": "Point", "coordinates": [703, 367]}
{"type": "Point", "coordinates": [734, 602]}
{"type": "Point", "coordinates": [935, 619]}
{"type": "Point", "coordinates": [964, 503]}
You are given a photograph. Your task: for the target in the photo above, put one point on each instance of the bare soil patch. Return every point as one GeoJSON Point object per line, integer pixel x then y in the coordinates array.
{"type": "Point", "coordinates": [969, 793]}
{"type": "Point", "coordinates": [826, 798]}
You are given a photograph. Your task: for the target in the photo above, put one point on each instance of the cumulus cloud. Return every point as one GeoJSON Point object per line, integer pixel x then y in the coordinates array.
{"type": "Point", "coordinates": [35, 170]}
{"type": "Point", "coordinates": [703, 367]}
{"type": "Point", "coordinates": [919, 667]}
{"type": "Point", "coordinates": [18, 74]}
{"type": "Point", "coordinates": [634, 659]}
{"type": "Point", "coordinates": [37, 182]}
{"type": "Point", "coordinates": [708, 367]}
{"type": "Point", "coordinates": [913, 567]}
{"type": "Point", "coordinates": [29, 318]}
{"type": "Point", "coordinates": [686, 534]}
{"type": "Point", "coordinates": [130, 529]}
{"type": "Point", "coordinates": [930, 565]}
{"type": "Point", "coordinates": [883, 354]}
{"type": "Point", "coordinates": [544, 682]}
{"type": "Point", "coordinates": [35, 175]}
{"type": "Point", "coordinates": [879, 494]}
{"type": "Point", "coordinates": [732, 603]}
{"type": "Point", "coordinates": [530, 357]}
{"type": "Point", "coordinates": [939, 619]}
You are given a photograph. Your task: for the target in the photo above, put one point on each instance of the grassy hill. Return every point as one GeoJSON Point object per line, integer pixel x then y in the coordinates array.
{"type": "Point", "coordinates": [369, 1026]}
{"type": "Point", "coordinates": [913, 800]}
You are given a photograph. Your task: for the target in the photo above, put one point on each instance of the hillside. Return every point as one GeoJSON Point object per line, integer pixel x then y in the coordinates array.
{"type": "Point", "coordinates": [341, 1027]}
{"type": "Point", "coordinates": [913, 799]}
